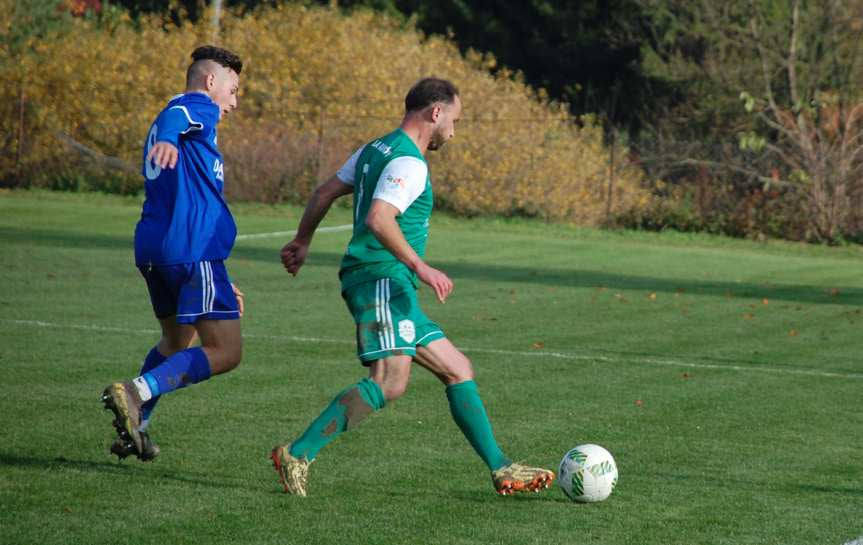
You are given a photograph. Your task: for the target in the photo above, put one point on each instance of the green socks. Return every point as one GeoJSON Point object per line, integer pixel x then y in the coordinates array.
{"type": "Point", "coordinates": [350, 407]}
{"type": "Point", "coordinates": [469, 413]}
{"type": "Point", "coordinates": [353, 404]}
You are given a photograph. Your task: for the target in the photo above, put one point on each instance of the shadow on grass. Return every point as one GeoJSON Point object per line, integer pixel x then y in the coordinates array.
{"type": "Point", "coordinates": [574, 277]}
{"type": "Point", "coordinates": [124, 468]}
{"type": "Point", "coordinates": [580, 278]}
{"type": "Point", "coordinates": [64, 239]}
{"type": "Point", "coordinates": [485, 496]}
{"type": "Point", "coordinates": [795, 489]}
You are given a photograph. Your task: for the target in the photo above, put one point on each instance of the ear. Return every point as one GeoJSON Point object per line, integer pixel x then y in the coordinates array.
{"type": "Point", "coordinates": [210, 81]}
{"type": "Point", "coordinates": [435, 112]}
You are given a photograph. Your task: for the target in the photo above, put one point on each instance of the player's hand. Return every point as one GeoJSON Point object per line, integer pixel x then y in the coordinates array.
{"type": "Point", "coordinates": [164, 154]}
{"type": "Point", "coordinates": [294, 255]}
{"type": "Point", "coordinates": [437, 280]}
{"type": "Point", "coordinates": [240, 295]}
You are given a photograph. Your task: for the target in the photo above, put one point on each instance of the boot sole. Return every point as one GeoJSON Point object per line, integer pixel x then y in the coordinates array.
{"type": "Point", "coordinates": [122, 422]}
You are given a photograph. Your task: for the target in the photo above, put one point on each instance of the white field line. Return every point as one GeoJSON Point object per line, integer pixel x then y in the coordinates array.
{"type": "Point", "coordinates": [334, 229]}
{"type": "Point", "coordinates": [511, 353]}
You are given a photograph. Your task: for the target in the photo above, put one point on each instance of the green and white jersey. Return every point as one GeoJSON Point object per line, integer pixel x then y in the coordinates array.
{"type": "Point", "coordinates": [392, 169]}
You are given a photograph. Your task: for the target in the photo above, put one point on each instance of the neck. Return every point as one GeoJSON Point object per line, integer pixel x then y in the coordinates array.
{"type": "Point", "coordinates": [196, 90]}
{"type": "Point", "coordinates": [418, 131]}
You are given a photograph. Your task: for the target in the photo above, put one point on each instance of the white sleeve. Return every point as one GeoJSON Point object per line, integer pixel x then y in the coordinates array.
{"type": "Point", "coordinates": [346, 173]}
{"type": "Point", "coordinates": [402, 181]}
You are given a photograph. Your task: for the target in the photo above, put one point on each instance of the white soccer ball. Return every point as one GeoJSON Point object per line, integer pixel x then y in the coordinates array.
{"type": "Point", "coordinates": [587, 473]}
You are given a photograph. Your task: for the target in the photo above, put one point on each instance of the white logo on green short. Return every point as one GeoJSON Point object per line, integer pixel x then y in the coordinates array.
{"type": "Point", "coordinates": [407, 331]}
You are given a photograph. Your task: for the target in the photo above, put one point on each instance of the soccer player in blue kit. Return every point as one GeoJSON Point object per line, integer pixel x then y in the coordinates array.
{"type": "Point", "coordinates": [185, 233]}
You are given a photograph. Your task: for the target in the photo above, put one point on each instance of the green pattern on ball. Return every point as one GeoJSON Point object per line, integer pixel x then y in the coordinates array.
{"type": "Point", "coordinates": [578, 456]}
{"type": "Point", "coordinates": [577, 485]}
{"type": "Point", "coordinates": [600, 469]}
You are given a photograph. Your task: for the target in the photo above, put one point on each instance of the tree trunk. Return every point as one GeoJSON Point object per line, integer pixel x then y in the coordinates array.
{"type": "Point", "coordinates": [20, 144]}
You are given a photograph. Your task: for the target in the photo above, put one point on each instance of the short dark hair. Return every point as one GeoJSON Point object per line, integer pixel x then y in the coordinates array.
{"type": "Point", "coordinates": [218, 55]}
{"type": "Point", "coordinates": [427, 91]}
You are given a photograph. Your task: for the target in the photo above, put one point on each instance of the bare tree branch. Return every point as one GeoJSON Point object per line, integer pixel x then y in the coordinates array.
{"type": "Point", "coordinates": [114, 163]}
{"type": "Point", "coordinates": [792, 54]}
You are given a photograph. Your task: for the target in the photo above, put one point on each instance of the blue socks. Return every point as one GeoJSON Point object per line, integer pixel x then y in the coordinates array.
{"type": "Point", "coordinates": [178, 371]}
{"type": "Point", "coordinates": [153, 360]}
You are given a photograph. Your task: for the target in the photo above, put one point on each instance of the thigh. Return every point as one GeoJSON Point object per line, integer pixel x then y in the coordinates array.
{"type": "Point", "coordinates": [219, 333]}
{"type": "Point", "coordinates": [392, 374]}
{"type": "Point", "coordinates": [175, 337]}
{"type": "Point", "coordinates": [222, 342]}
{"type": "Point", "coordinates": [445, 361]}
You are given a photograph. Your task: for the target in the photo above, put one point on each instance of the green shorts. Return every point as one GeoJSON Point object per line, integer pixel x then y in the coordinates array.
{"type": "Point", "coordinates": [389, 319]}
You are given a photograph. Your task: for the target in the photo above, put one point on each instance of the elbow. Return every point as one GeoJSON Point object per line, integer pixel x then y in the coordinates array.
{"type": "Point", "coordinates": [323, 195]}
{"type": "Point", "coordinates": [326, 193]}
{"type": "Point", "coordinates": [373, 222]}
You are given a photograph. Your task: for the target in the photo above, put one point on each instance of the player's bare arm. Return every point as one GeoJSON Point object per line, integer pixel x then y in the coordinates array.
{"type": "Point", "coordinates": [164, 154]}
{"type": "Point", "coordinates": [381, 221]}
{"type": "Point", "coordinates": [294, 253]}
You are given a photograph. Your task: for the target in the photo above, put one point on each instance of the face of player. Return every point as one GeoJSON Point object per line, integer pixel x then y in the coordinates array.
{"type": "Point", "coordinates": [445, 126]}
{"type": "Point", "coordinates": [222, 86]}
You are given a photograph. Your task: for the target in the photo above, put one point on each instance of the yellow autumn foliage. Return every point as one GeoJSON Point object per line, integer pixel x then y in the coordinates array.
{"type": "Point", "coordinates": [316, 84]}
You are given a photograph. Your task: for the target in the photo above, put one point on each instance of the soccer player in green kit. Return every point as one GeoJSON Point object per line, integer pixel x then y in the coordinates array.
{"type": "Point", "coordinates": [389, 179]}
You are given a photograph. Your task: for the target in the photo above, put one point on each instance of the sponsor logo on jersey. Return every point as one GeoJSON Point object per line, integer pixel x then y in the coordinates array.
{"type": "Point", "coordinates": [219, 169]}
{"type": "Point", "coordinates": [400, 182]}
{"type": "Point", "coordinates": [381, 147]}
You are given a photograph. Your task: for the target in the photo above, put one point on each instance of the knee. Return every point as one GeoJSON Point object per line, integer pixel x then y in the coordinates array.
{"type": "Point", "coordinates": [394, 390]}
{"type": "Point", "coordinates": [169, 346]}
{"type": "Point", "coordinates": [456, 378]}
{"type": "Point", "coordinates": [463, 376]}
{"type": "Point", "coordinates": [223, 358]}
{"type": "Point", "coordinates": [461, 372]}
{"type": "Point", "coordinates": [233, 356]}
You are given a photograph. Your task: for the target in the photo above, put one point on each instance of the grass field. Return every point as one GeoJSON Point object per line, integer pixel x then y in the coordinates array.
{"type": "Point", "coordinates": [724, 375]}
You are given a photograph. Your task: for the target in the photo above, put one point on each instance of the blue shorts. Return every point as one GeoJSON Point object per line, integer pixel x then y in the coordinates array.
{"type": "Point", "coordinates": [191, 291]}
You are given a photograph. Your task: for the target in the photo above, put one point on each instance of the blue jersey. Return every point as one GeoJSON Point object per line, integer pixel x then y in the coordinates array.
{"type": "Point", "coordinates": [185, 217]}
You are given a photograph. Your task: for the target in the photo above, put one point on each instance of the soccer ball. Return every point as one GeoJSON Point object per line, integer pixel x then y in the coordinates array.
{"type": "Point", "coordinates": [587, 473]}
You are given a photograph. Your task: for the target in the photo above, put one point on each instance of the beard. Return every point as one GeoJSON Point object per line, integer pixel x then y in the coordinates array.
{"type": "Point", "coordinates": [436, 142]}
